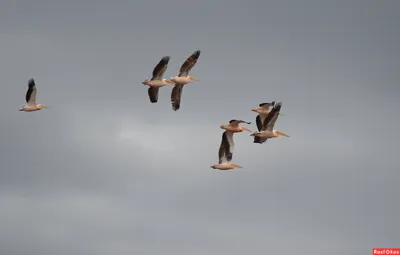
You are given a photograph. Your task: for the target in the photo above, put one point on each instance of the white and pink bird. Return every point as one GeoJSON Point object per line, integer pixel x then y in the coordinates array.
{"type": "Point", "coordinates": [30, 98]}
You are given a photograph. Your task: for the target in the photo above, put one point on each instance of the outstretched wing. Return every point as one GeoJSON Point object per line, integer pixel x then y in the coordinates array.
{"type": "Point", "coordinates": [269, 122]}
{"type": "Point", "coordinates": [30, 96]}
{"type": "Point", "coordinates": [160, 68]}
{"type": "Point", "coordinates": [189, 63]}
{"type": "Point", "coordinates": [267, 105]}
{"type": "Point", "coordinates": [176, 95]}
{"type": "Point", "coordinates": [226, 148]}
{"type": "Point", "coordinates": [153, 94]}
{"type": "Point", "coordinates": [235, 123]}
{"type": "Point", "coordinates": [258, 122]}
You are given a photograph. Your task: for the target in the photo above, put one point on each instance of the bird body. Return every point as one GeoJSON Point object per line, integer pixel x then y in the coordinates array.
{"type": "Point", "coordinates": [182, 80]}
{"type": "Point", "coordinates": [30, 98]}
{"type": "Point", "coordinates": [269, 134]}
{"type": "Point", "coordinates": [225, 166]}
{"type": "Point", "coordinates": [261, 111]}
{"type": "Point", "coordinates": [157, 83]}
{"type": "Point", "coordinates": [234, 129]}
{"type": "Point", "coordinates": [32, 108]}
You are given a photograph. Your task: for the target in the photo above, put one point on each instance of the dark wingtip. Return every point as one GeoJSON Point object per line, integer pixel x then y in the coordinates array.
{"type": "Point", "coordinates": [31, 82]}
{"type": "Point", "coordinates": [197, 53]}
{"type": "Point", "coordinates": [278, 105]}
{"type": "Point", "coordinates": [166, 58]}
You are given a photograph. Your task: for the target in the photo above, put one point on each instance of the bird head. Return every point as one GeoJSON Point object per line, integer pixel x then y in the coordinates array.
{"type": "Point", "coordinates": [41, 106]}
{"type": "Point", "coordinates": [213, 166]}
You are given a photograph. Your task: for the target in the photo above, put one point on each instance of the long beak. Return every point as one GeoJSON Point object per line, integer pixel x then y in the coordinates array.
{"type": "Point", "coordinates": [194, 79]}
{"type": "Point", "coordinates": [169, 81]}
{"type": "Point", "coordinates": [282, 134]}
{"type": "Point", "coordinates": [254, 110]}
{"type": "Point", "coordinates": [45, 106]}
{"type": "Point", "coordinates": [237, 166]}
{"type": "Point", "coordinates": [245, 128]}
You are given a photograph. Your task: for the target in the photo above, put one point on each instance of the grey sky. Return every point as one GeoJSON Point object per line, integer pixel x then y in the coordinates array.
{"type": "Point", "coordinates": [103, 171]}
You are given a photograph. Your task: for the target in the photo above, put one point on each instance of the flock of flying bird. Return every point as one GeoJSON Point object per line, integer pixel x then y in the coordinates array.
{"type": "Point", "coordinates": [265, 120]}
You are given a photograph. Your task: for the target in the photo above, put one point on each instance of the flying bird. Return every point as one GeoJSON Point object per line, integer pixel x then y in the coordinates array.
{"type": "Point", "coordinates": [30, 98]}
{"type": "Point", "coordinates": [157, 81]}
{"type": "Point", "coordinates": [234, 127]}
{"type": "Point", "coordinates": [225, 153]}
{"type": "Point", "coordinates": [267, 130]}
{"type": "Point", "coordinates": [182, 79]}
{"type": "Point", "coordinates": [262, 110]}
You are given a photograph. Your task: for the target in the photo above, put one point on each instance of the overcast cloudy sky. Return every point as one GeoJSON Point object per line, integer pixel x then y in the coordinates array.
{"type": "Point", "coordinates": [104, 171]}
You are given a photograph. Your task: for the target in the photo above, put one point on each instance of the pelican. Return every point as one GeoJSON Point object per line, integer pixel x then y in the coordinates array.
{"type": "Point", "coordinates": [30, 98]}
{"type": "Point", "coordinates": [157, 81]}
{"type": "Point", "coordinates": [234, 127]}
{"type": "Point", "coordinates": [268, 125]}
{"type": "Point", "coordinates": [225, 153]}
{"type": "Point", "coordinates": [182, 79]}
{"type": "Point", "coordinates": [262, 110]}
